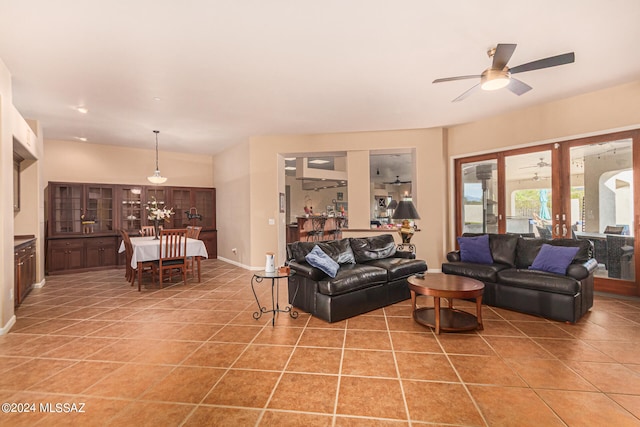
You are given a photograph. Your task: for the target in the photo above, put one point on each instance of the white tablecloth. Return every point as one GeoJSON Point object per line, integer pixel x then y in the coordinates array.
{"type": "Point", "coordinates": [148, 249]}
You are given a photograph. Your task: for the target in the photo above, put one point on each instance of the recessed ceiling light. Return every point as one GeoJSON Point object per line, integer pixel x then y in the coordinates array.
{"type": "Point", "coordinates": [82, 110]}
{"type": "Point", "coordinates": [289, 158]}
{"type": "Point", "coordinates": [289, 168]}
{"type": "Point", "coordinates": [156, 98]}
{"type": "Point", "coordinates": [318, 162]}
{"type": "Point", "coordinates": [81, 138]}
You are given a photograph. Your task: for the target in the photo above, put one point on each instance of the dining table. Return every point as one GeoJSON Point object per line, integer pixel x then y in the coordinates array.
{"type": "Point", "coordinates": [147, 248]}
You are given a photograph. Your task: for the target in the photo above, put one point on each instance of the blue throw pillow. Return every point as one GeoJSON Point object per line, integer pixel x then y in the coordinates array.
{"type": "Point", "coordinates": [554, 259]}
{"type": "Point", "coordinates": [475, 249]}
{"type": "Point", "coordinates": [318, 259]}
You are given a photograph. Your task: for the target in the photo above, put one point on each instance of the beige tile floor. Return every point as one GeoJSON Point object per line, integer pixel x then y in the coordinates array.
{"type": "Point", "coordinates": [193, 355]}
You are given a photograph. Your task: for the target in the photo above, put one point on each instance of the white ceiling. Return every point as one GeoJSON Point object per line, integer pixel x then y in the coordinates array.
{"type": "Point", "coordinates": [227, 70]}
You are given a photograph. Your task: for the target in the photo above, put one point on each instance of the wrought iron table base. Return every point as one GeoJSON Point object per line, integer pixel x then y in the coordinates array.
{"type": "Point", "coordinates": [275, 297]}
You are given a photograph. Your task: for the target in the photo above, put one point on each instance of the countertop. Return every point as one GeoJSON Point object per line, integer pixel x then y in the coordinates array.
{"type": "Point", "coordinates": [19, 241]}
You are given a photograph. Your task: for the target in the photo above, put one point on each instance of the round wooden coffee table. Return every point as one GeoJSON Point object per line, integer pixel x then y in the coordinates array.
{"type": "Point", "coordinates": [440, 285]}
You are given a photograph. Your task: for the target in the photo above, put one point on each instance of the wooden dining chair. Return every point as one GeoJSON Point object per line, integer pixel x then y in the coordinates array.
{"type": "Point", "coordinates": [147, 230]}
{"type": "Point", "coordinates": [128, 253]}
{"type": "Point", "coordinates": [193, 232]}
{"type": "Point", "coordinates": [131, 273]}
{"type": "Point", "coordinates": [173, 252]}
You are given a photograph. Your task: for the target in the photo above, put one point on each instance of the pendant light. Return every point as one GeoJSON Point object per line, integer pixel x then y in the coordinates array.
{"type": "Point", "coordinates": [156, 178]}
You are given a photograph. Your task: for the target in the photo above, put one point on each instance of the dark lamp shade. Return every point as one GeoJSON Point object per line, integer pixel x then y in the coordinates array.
{"type": "Point", "coordinates": [393, 204]}
{"type": "Point", "coordinates": [405, 210]}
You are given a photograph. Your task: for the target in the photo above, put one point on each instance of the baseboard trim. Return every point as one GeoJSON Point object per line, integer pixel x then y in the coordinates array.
{"type": "Point", "coordinates": [237, 264]}
{"type": "Point", "coordinates": [41, 284]}
{"type": "Point", "coordinates": [6, 328]}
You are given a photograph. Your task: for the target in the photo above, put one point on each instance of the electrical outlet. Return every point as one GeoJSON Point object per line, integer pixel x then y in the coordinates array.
{"type": "Point", "coordinates": [272, 221]}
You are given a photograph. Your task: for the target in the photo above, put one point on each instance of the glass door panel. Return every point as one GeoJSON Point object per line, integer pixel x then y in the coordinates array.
{"type": "Point", "coordinates": [205, 207]}
{"type": "Point", "coordinates": [99, 209]}
{"type": "Point", "coordinates": [131, 209]}
{"type": "Point", "coordinates": [602, 204]}
{"type": "Point", "coordinates": [67, 209]}
{"type": "Point", "coordinates": [528, 192]}
{"type": "Point", "coordinates": [479, 203]}
{"type": "Point", "coordinates": [181, 200]}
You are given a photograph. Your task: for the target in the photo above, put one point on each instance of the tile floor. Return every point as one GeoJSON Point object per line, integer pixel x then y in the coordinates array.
{"type": "Point", "coordinates": [193, 355]}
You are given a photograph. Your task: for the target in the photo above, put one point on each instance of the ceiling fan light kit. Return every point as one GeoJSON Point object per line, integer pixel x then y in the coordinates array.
{"type": "Point", "coordinates": [499, 76]}
{"type": "Point", "coordinates": [494, 79]}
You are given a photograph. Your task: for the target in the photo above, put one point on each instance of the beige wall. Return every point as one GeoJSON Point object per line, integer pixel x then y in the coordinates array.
{"type": "Point", "coordinates": [589, 114]}
{"type": "Point", "coordinates": [85, 162]}
{"type": "Point", "coordinates": [429, 197]}
{"type": "Point", "coordinates": [231, 179]}
{"type": "Point", "coordinates": [6, 205]}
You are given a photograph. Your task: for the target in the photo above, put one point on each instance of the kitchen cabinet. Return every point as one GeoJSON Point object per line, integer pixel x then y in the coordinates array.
{"type": "Point", "coordinates": [25, 268]}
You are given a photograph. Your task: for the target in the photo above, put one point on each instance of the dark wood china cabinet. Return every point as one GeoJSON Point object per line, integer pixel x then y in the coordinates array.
{"type": "Point", "coordinates": [84, 220]}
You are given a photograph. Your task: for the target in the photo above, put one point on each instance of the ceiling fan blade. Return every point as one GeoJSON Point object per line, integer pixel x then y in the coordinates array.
{"type": "Point", "coordinates": [552, 61]}
{"type": "Point", "coordinates": [450, 79]}
{"type": "Point", "coordinates": [467, 93]}
{"type": "Point", "coordinates": [518, 87]}
{"type": "Point", "coordinates": [502, 55]}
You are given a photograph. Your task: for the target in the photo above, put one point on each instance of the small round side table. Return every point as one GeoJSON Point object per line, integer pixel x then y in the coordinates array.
{"type": "Point", "coordinates": [275, 277]}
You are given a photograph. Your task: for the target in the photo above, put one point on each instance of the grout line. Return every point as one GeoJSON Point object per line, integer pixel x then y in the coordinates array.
{"type": "Point", "coordinates": [399, 376]}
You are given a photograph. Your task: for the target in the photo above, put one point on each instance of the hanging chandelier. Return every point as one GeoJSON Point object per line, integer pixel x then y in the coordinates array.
{"type": "Point", "coordinates": [156, 178]}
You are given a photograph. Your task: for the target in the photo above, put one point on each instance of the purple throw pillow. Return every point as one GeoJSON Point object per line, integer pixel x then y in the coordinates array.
{"type": "Point", "coordinates": [554, 259]}
{"type": "Point", "coordinates": [475, 249]}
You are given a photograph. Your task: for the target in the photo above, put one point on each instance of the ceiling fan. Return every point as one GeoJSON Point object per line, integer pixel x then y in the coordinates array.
{"type": "Point", "coordinates": [538, 178]}
{"type": "Point", "coordinates": [540, 164]}
{"type": "Point", "coordinates": [397, 181]}
{"type": "Point", "coordinates": [499, 75]}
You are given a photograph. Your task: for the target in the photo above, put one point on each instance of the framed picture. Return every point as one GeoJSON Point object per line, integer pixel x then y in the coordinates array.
{"type": "Point", "coordinates": [282, 203]}
{"type": "Point", "coordinates": [340, 196]}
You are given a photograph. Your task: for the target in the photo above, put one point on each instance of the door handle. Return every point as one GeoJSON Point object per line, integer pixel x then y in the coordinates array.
{"type": "Point", "coordinates": [557, 229]}
{"type": "Point", "coordinates": [564, 230]}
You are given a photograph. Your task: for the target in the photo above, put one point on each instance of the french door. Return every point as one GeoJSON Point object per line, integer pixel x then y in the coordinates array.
{"type": "Point", "coordinates": [578, 189]}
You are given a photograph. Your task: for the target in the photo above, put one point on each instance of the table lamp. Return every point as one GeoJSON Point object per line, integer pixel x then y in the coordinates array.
{"type": "Point", "coordinates": [406, 211]}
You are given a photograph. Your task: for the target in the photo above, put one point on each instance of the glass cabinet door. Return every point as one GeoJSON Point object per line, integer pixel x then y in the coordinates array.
{"type": "Point", "coordinates": [98, 214]}
{"type": "Point", "coordinates": [181, 203]}
{"type": "Point", "coordinates": [66, 208]}
{"type": "Point", "coordinates": [131, 209]}
{"type": "Point", "coordinates": [204, 204]}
